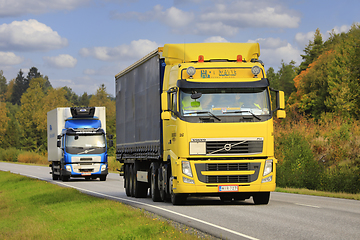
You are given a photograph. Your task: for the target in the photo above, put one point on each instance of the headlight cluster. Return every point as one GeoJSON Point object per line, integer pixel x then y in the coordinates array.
{"type": "Point", "coordinates": [103, 167]}
{"type": "Point", "coordinates": [268, 167]}
{"type": "Point", "coordinates": [186, 170]}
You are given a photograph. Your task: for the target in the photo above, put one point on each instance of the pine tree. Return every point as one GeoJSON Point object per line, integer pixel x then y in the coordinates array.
{"type": "Point", "coordinates": [3, 86]}
{"type": "Point", "coordinates": [19, 88]}
{"type": "Point", "coordinates": [312, 51]}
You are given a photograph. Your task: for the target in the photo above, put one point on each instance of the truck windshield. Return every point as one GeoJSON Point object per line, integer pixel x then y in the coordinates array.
{"type": "Point", "coordinates": [85, 144]}
{"type": "Point", "coordinates": [249, 102]}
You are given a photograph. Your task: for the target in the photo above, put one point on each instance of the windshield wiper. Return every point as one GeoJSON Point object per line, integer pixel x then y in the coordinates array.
{"type": "Point", "coordinates": [244, 112]}
{"type": "Point", "coordinates": [86, 151]}
{"type": "Point", "coordinates": [210, 113]}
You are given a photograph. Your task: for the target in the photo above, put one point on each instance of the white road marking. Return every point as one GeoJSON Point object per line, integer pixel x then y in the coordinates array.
{"type": "Point", "coordinates": [300, 204]}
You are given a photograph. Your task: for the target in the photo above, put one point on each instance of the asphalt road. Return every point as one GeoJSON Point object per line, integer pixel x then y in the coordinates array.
{"type": "Point", "coordinates": [287, 216]}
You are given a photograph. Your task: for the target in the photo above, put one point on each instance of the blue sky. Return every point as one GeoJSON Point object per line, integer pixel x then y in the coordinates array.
{"type": "Point", "coordinates": [85, 43]}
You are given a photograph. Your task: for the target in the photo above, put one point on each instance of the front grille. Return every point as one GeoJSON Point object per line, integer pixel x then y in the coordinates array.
{"type": "Point", "coordinates": [234, 147]}
{"type": "Point", "coordinates": [202, 168]}
{"type": "Point", "coordinates": [227, 179]}
{"type": "Point", "coordinates": [227, 166]}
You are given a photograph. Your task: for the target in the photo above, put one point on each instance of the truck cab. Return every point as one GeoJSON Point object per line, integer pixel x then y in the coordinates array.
{"type": "Point", "coordinates": [82, 146]}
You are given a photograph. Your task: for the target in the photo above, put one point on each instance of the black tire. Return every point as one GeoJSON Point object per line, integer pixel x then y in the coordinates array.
{"type": "Point", "coordinates": [261, 198]}
{"type": "Point", "coordinates": [127, 180]}
{"type": "Point", "coordinates": [155, 193]}
{"type": "Point", "coordinates": [103, 178]}
{"type": "Point", "coordinates": [131, 182]}
{"type": "Point", "coordinates": [226, 198]}
{"type": "Point", "coordinates": [161, 185]}
{"type": "Point", "coordinates": [54, 176]}
{"type": "Point", "coordinates": [65, 178]}
{"type": "Point", "coordinates": [177, 198]}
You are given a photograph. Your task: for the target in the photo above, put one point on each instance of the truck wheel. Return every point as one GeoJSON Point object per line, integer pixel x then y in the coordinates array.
{"type": "Point", "coordinates": [155, 193]}
{"type": "Point", "coordinates": [131, 182]}
{"type": "Point", "coordinates": [261, 198]}
{"type": "Point", "coordinates": [161, 183]}
{"type": "Point", "coordinates": [103, 178]}
{"type": "Point", "coordinates": [176, 198]}
{"type": "Point", "coordinates": [54, 176]}
{"type": "Point", "coordinates": [127, 180]}
{"type": "Point", "coordinates": [65, 178]}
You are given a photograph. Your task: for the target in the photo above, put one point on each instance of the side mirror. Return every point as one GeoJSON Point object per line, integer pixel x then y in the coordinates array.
{"type": "Point", "coordinates": [280, 104]}
{"type": "Point", "coordinates": [164, 101]}
{"type": "Point", "coordinates": [58, 143]}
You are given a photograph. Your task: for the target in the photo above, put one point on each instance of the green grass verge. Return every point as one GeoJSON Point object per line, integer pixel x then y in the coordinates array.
{"type": "Point", "coordinates": [318, 193]}
{"type": "Point", "coordinates": [34, 209]}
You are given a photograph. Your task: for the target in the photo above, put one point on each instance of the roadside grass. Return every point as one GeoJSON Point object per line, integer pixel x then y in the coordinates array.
{"type": "Point", "coordinates": [319, 193]}
{"type": "Point", "coordinates": [34, 209]}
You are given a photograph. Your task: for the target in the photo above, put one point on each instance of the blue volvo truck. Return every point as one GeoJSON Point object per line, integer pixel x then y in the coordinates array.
{"type": "Point", "coordinates": [77, 145]}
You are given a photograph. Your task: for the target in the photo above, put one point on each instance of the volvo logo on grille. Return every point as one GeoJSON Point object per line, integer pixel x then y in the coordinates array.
{"type": "Point", "coordinates": [227, 147]}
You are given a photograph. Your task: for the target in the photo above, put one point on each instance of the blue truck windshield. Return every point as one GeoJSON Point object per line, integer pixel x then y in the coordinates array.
{"type": "Point", "coordinates": [85, 144]}
{"type": "Point", "coordinates": [225, 102]}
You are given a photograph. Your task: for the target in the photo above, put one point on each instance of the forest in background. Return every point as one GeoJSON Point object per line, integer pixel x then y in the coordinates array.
{"type": "Point", "coordinates": [317, 145]}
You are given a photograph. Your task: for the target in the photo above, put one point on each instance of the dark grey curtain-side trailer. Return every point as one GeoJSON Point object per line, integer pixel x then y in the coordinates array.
{"type": "Point", "coordinates": [139, 124]}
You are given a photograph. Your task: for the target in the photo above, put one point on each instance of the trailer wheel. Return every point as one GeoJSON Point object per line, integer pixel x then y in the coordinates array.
{"type": "Point", "coordinates": [131, 182]}
{"type": "Point", "coordinates": [54, 176]}
{"type": "Point", "coordinates": [261, 198]}
{"type": "Point", "coordinates": [127, 180]}
{"type": "Point", "coordinates": [155, 193]}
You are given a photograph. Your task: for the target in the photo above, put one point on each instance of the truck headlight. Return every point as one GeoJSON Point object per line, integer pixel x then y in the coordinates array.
{"type": "Point", "coordinates": [186, 168]}
{"type": "Point", "coordinates": [268, 167]}
{"type": "Point", "coordinates": [68, 168]}
{"type": "Point", "coordinates": [103, 167]}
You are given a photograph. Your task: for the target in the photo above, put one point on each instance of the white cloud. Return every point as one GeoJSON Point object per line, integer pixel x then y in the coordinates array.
{"type": "Point", "coordinates": [89, 71]}
{"type": "Point", "coordinates": [215, 39]}
{"type": "Point", "coordinates": [302, 39]}
{"type": "Point", "coordinates": [270, 42]}
{"type": "Point", "coordinates": [12, 8]}
{"type": "Point", "coordinates": [273, 56]}
{"type": "Point", "coordinates": [219, 17]}
{"type": "Point", "coordinates": [9, 58]}
{"type": "Point", "coordinates": [215, 28]}
{"type": "Point", "coordinates": [245, 14]}
{"type": "Point", "coordinates": [29, 35]}
{"type": "Point", "coordinates": [172, 16]}
{"type": "Point", "coordinates": [61, 61]}
{"type": "Point", "coordinates": [136, 49]}
{"type": "Point", "coordinates": [343, 28]}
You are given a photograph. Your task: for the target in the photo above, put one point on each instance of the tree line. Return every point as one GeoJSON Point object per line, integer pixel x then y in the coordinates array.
{"type": "Point", "coordinates": [317, 145]}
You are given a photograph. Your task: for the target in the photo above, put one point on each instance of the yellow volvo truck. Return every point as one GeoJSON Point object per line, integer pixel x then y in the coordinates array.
{"type": "Point", "coordinates": [197, 120]}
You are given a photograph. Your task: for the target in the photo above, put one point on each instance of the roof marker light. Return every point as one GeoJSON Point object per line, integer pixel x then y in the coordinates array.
{"type": "Point", "coordinates": [201, 58]}
{"type": "Point", "coordinates": [239, 58]}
